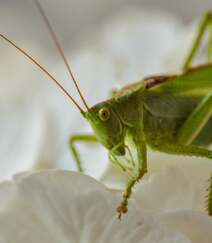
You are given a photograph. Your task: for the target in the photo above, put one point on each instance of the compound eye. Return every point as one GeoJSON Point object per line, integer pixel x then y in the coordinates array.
{"type": "Point", "coordinates": [104, 114]}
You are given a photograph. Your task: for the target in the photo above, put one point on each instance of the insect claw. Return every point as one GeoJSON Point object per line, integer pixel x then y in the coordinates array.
{"type": "Point", "coordinates": [121, 209]}
{"type": "Point", "coordinates": [119, 216]}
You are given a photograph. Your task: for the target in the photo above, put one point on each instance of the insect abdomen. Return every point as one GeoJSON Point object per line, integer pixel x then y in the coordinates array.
{"type": "Point", "coordinates": [163, 117]}
{"type": "Point", "coordinates": [160, 130]}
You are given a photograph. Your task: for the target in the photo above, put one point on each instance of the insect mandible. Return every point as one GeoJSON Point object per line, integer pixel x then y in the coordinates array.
{"type": "Point", "coordinates": [168, 113]}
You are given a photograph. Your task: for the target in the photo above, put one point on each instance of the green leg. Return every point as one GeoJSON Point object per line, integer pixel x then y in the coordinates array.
{"type": "Point", "coordinates": [129, 163]}
{"type": "Point", "coordinates": [131, 160]}
{"type": "Point", "coordinates": [142, 158]}
{"type": "Point", "coordinates": [191, 128]}
{"type": "Point", "coordinates": [209, 199]}
{"type": "Point", "coordinates": [196, 121]}
{"type": "Point", "coordinates": [80, 138]}
{"type": "Point", "coordinates": [210, 43]}
{"type": "Point", "coordinates": [190, 151]}
{"type": "Point", "coordinates": [204, 24]}
{"type": "Point", "coordinates": [117, 163]}
{"type": "Point", "coordinates": [187, 150]}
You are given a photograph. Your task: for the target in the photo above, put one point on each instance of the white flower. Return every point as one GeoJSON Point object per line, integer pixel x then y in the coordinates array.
{"type": "Point", "coordinates": [21, 138]}
{"type": "Point", "coordinates": [61, 206]}
{"type": "Point", "coordinates": [172, 182]}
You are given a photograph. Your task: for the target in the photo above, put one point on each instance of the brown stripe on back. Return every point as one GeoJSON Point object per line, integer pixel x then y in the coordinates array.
{"type": "Point", "coordinates": [155, 80]}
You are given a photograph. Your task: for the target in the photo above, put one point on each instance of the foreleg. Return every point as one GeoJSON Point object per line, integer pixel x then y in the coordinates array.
{"type": "Point", "coordinates": [142, 169]}
{"type": "Point", "coordinates": [87, 138]}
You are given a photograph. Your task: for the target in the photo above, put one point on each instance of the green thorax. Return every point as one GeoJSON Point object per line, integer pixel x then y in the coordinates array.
{"type": "Point", "coordinates": [125, 114]}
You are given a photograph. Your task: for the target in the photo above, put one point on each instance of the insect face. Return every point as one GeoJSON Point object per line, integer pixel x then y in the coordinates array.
{"type": "Point", "coordinates": [107, 127]}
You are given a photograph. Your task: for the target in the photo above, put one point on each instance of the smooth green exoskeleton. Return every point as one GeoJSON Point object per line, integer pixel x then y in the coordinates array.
{"type": "Point", "coordinates": [169, 113]}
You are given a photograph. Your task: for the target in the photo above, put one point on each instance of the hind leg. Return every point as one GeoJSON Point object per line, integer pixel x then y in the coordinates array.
{"type": "Point", "coordinates": [187, 134]}
{"type": "Point", "coordinates": [191, 129]}
{"type": "Point", "coordinates": [196, 121]}
{"type": "Point", "coordinates": [209, 197]}
{"type": "Point", "coordinates": [205, 24]}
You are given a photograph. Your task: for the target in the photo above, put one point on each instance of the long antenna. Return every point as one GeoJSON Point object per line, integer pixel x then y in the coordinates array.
{"type": "Point", "coordinates": [60, 50]}
{"type": "Point", "coordinates": [43, 69]}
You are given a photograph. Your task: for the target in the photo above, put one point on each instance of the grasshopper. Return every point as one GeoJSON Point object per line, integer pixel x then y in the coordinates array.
{"type": "Point", "coordinates": [168, 113]}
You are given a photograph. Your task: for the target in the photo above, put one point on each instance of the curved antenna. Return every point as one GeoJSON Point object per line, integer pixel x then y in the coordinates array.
{"type": "Point", "coordinates": [59, 48]}
{"type": "Point", "coordinates": [43, 69]}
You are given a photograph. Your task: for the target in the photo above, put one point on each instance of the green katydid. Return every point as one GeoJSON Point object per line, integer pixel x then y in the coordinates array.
{"type": "Point", "coordinates": [169, 113]}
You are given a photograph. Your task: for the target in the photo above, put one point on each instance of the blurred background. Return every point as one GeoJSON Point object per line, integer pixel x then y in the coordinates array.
{"type": "Point", "coordinates": [109, 43]}
{"type": "Point", "coordinates": [76, 20]}
{"type": "Point", "coordinates": [77, 24]}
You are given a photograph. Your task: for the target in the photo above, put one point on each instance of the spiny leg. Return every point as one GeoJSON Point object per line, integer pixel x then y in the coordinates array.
{"type": "Point", "coordinates": [186, 150]}
{"type": "Point", "coordinates": [88, 138]}
{"type": "Point", "coordinates": [210, 43]}
{"type": "Point", "coordinates": [209, 197]}
{"type": "Point", "coordinates": [142, 158]}
{"type": "Point", "coordinates": [192, 127]}
{"type": "Point", "coordinates": [189, 150]}
{"type": "Point", "coordinates": [204, 24]}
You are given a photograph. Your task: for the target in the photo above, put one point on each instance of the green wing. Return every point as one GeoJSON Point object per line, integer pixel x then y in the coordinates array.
{"type": "Point", "coordinates": [173, 100]}
{"type": "Point", "coordinates": [179, 94]}
{"type": "Point", "coordinates": [194, 82]}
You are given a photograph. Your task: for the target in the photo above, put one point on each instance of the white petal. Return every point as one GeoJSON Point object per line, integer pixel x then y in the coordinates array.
{"type": "Point", "coordinates": [59, 206]}
{"type": "Point", "coordinates": [18, 79]}
{"type": "Point", "coordinates": [174, 182]}
{"type": "Point", "coordinates": [197, 226]}
{"type": "Point", "coordinates": [21, 130]}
